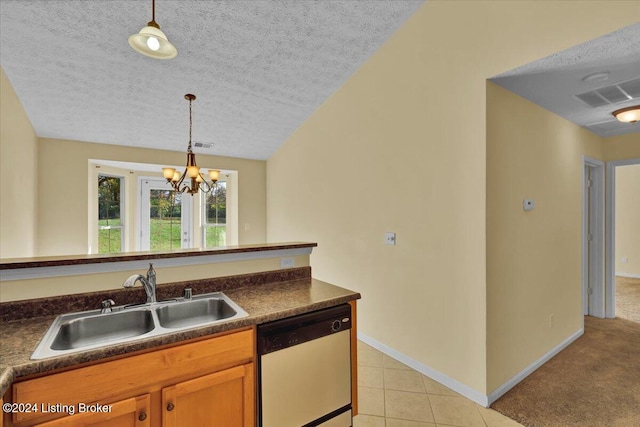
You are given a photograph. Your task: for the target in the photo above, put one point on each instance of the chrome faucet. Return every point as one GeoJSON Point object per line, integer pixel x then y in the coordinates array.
{"type": "Point", "coordinates": [148, 282]}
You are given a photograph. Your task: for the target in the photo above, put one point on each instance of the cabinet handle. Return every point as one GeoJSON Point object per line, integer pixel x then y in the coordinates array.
{"type": "Point", "coordinates": [142, 416]}
{"type": "Point", "coordinates": [170, 407]}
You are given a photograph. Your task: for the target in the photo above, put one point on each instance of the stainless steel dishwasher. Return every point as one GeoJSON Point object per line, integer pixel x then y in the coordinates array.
{"type": "Point", "coordinates": [305, 370]}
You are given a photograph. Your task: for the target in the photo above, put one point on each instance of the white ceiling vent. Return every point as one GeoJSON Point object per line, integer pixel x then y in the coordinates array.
{"type": "Point", "coordinates": [631, 87]}
{"type": "Point", "coordinates": [613, 94]}
{"type": "Point", "coordinates": [202, 145]}
{"type": "Point", "coordinates": [592, 99]}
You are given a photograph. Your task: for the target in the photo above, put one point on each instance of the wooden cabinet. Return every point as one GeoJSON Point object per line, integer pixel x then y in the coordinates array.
{"type": "Point", "coordinates": [133, 412]}
{"type": "Point", "coordinates": [210, 382]}
{"type": "Point", "coordinates": [222, 399]}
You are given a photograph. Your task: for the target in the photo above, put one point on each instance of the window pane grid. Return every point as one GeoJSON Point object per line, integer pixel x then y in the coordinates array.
{"type": "Point", "coordinates": [215, 216]}
{"type": "Point", "coordinates": [165, 220]}
{"type": "Point", "coordinates": [110, 228]}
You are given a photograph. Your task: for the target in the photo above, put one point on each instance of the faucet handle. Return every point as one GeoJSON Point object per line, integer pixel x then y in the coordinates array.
{"type": "Point", "coordinates": [151, 273]}
{"type": "Point", "coordinates": [106, 305]}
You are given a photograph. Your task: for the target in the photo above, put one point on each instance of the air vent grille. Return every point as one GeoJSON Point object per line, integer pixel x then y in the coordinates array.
{"type": "Point", "coordinates": [592, 99]}
{"type": "Point", "coordinates": [613, 94]}
{"type": "Point", "coordinates": [632, 87]}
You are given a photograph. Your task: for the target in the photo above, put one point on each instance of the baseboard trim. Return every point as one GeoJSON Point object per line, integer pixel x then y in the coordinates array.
{"type": "Point", "coordinates": [435, 375]}
{"type": "Point", "coordinates": [629, 275]}
{"type": "Point", "coordinates": [497, 393]}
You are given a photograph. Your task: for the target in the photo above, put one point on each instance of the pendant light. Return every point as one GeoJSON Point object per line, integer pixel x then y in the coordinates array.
{"type": "Point", "coordinates": [628, 115]}
{"type": "Point", "coordinates": [152, 42]}
{"type": "Point", "coordinates": [191, 172]}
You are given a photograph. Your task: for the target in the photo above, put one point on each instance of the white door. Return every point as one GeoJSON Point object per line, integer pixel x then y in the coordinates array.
{"type": "Point", "coordinates": [165, 217]}
{"type": "Point", "coordinates": [593, 291]}
{"type": "Point", "coordinates": [589, 222]}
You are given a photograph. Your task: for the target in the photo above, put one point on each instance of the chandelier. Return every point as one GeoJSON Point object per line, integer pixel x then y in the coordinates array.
{"type": "Point", "coordinates": [191, 181]}
{"type": "Point", "coordinates": [152, 42]}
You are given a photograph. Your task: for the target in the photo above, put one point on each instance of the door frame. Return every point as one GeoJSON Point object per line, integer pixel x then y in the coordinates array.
{"type": "Point", "coordinates": [610, 274]}
{"type": "Point", "coordinates": [143, 207]}
{"type": "Point", "coordinates": [593, 263]}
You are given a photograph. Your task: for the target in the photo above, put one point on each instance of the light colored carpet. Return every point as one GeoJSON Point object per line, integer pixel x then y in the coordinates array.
{"type": "Point", "coordinates": [628, 298]}
{"type": "Point", "coordinates": [595, 382]}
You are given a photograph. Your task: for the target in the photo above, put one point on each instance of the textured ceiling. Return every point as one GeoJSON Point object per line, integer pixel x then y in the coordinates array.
{"type": "Point", "coordinates": [258, 68]}
{"type": "Point", "coordinates": [553, 82]}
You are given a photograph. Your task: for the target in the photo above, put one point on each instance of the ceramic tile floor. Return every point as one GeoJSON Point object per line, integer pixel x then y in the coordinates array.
{"type": "Point", "coordinates": [392, 394]}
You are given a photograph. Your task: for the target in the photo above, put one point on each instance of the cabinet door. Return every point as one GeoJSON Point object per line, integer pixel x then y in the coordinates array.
{"type": "Point", "coordinates": [221, 399]}
{"type": "Point", "coordinates": [133, 412]}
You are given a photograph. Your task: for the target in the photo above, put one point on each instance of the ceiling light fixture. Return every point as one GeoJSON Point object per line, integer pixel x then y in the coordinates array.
{"type": "Point", "coordinates": [152, 42]}
{"type": "Point", "coordinates": [191, 171]}
{"type": "Point", "coordinates": [628, 115]}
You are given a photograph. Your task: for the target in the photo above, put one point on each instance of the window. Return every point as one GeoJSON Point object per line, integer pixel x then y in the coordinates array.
{"type": "Point", "coordinates": [110, 214]}
{"type": "Point", "coordinates": [215, 216]}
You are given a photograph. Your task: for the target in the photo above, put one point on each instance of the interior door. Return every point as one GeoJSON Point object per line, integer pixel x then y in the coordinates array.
{"type": "Point", "coordinates": [587, 213]}
{"type": "Point", "coordinates": [165, 217]}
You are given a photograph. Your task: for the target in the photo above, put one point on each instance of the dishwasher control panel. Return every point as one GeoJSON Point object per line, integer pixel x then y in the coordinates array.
{"type": "Point", "coordinates": [284, 333]}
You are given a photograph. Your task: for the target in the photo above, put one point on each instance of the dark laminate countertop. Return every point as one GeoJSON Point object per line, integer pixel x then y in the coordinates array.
{"type": "Point", "coordinates": [264, 301]}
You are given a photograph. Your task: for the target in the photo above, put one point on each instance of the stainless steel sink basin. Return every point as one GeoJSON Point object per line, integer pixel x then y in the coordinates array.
{"type": "Point", "coordinates": [102, 328]}
{"type": "Point", "coordinates": [91, 329]}
{"type": "Point", "coordinates": [195, 312]}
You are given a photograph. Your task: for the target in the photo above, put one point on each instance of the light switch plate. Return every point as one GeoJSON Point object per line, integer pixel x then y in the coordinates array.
{"type": "Point", "coordinates": [389, 238]}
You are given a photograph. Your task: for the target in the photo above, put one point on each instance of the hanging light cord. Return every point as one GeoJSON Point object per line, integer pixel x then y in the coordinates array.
{"type": "Point", "coordinates": [153, 22]}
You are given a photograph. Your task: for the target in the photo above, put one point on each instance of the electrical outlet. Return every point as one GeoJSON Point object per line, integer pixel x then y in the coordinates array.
{"type": "Point", "coordinates": [389, 238]}
{"type": "Point", "coordinates": [624, 260]}
{"type": "Point", "coordinates": [288, 262]}
{"type": "Point", "coordinates": [552, 321]}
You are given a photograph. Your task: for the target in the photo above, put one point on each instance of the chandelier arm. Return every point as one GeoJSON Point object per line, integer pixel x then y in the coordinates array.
{"type": "Point", "coordinates": [205, 187]}
{"type": "Point", "coordinates": [179, 182]}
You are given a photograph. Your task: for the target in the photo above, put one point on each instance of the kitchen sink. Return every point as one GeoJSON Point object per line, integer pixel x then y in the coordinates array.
{"type": "Point", "coordinates": [195, 312]}
{"type": "Point", "coordinates": [87, 330]}
{"type": "Point", "coordinates": [100, 329]}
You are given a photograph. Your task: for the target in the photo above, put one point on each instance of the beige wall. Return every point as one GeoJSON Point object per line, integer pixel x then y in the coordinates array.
{"type": "Point", "coordinates": [18, 184]}
{"type": "Point", "coordinates": [534, 259]}
{"type": "Point", "coordinates": [63, 227]}
{"type": "Point", "coordinates": [628, 220]}
{"type": "Point", "coordinates": [401, 147]}
{"type": "Point", "coordinates": [622, 147]}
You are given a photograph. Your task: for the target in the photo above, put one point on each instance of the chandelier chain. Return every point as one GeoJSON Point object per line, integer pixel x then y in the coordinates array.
{"type": "Point", "coordinates": [190, 125]}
